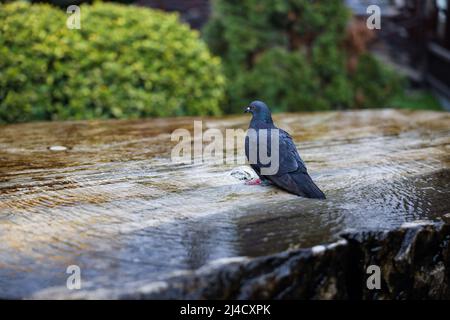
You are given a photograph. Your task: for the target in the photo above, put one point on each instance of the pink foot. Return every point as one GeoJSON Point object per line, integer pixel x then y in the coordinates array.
{"type": "Point", "coordinates": [253, 182]}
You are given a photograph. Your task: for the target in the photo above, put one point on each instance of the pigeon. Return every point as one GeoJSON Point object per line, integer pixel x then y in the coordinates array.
{"type": "Point", "coordinates": [291, 174]}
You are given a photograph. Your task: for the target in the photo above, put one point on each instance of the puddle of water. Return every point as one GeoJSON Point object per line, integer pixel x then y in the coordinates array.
{"type": "Point", "coordinates": [113, 204]}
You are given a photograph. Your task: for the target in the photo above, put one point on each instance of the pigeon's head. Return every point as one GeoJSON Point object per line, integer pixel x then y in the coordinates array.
{"type": "Point", "coordinates": [259, 110]}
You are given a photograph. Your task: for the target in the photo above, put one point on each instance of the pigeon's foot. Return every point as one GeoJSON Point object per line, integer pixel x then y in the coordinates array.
{"type": "Point", "coordinates": [253, 182]}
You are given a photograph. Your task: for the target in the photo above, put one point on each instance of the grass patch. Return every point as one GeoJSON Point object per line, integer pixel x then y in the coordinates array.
{"type": "Point", "coordinates": [416, 100]}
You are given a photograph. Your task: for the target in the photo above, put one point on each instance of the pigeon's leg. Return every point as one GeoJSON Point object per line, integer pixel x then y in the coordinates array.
{"type": "Point", "coordinates": [259, 181]}
{"type": "Point", "coordinates": [253, 182]}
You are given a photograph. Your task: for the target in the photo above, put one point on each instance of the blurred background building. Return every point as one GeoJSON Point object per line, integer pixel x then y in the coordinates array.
{"type": "Point", "coordinates": [414, 37]}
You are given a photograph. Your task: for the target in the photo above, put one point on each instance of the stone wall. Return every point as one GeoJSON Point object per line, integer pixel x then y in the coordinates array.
{"type": "Point", "coordinates": [414, 261]}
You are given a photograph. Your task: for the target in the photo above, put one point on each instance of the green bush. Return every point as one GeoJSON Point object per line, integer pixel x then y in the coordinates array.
{"type": "Point", "coordinates": [375, 86]}
{"type": "Point", "coordinates": [124, 62]}
{"type": "Point", "coordinates": [293, 55]}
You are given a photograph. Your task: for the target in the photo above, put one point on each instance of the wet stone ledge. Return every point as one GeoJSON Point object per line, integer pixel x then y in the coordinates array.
{"type": "Point", "coordinates": [414, 261]}
{"type": "Point", "coordinates": [105, 196]}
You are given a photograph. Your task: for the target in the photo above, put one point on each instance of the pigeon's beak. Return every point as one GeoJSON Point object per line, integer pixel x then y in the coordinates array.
{"type": "Point", "coordinates": [247, 109]}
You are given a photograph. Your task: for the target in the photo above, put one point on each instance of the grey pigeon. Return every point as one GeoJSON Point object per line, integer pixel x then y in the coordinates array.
{"type": "Point", "coordinates": [291, 175]}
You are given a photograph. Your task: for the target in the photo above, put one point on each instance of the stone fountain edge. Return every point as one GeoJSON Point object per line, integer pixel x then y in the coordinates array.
{"type": "Point", "coordinates": [413, 263]}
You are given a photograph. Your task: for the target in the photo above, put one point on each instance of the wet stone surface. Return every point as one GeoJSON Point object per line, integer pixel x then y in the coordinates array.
{"type": "Point", "coordinates": [112, 202]}
{"type": "Point", "coordinates": [411, 262]}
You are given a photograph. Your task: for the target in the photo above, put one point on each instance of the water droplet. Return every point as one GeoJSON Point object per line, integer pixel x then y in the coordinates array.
{"type": "Point", "coordinates": [57, 148]}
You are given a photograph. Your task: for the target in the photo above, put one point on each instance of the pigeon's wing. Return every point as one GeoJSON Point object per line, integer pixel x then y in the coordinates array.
{"type": "Point", "coordinates": [289, 158]}
{"type": "Point", "coordinates": [256, 167]}
{"type": "Point", "coordinates": [292, 175]}
{"type": "Point", "coordinates": [298, 183]}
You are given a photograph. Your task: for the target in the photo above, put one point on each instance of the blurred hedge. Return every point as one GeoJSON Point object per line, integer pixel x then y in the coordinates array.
{"type": "Point", "coordinates": [295, 55]}
{"type": "Point", "coordinates": [123, 62]}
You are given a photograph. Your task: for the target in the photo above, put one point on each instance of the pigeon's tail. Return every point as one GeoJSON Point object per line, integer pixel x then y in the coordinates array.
{"type": "Point", "coordinates": [299, 183]}
{"type": "Point", "coordinates": [306, 186]}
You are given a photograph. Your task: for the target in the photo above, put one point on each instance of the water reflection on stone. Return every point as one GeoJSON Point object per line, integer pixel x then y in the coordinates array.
{"type": "Point", "coordinates": [113, 203]}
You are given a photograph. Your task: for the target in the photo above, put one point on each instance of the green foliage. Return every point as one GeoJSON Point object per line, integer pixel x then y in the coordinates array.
{"type": "Point", "coordinates": [293, 55]}
{"type": "Point", "coordinates": [124, 62]}
{"type": "Point", "coordinates": [416, 100]}
{"type": "Point", "coordinates": [280, 76]}
{"type": "Point", "coordinates": [65, 3]}
{"type": "Point", "coordinates": [375, 86]}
